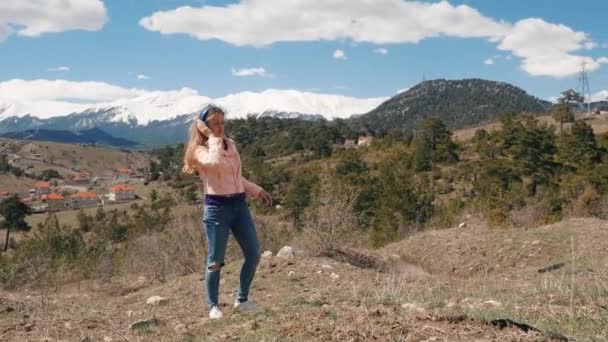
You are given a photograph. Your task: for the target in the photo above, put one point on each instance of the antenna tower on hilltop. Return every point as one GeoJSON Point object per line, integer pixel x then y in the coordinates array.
{"type": "Point", "coordinates": [583, 86]}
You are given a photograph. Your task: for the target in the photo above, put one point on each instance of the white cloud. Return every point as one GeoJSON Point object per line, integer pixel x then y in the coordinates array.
{"type": "Point", "coordinates": [32, 90]}
{"type": "Point", "coordinates": [602, 60]}
{"type": "Point", "coordinates": [600, 96]}
{"type": "Point", "coordinates": [244, 72]}
{"type": "Point", "coordinates": [379, 22]}
{"type": "Point", "coordinates": [381, 51]}
{"type": "Point", "coordinates": [60, 68]}
{"type": "Point", "coordinates": [340, 87]}
{"type": "Point", "coordinates": [590, 45]}
{"type": "Point", "coordinates": [489, 61]}
{"type": "Point", "coordinates": [32, 18]}
{"type": "Point", "coordinates": [546, 49]}
{"type": "Point", "coordinates": [339, 54]}
{"type": "Point", "coordinates": [143, 77]}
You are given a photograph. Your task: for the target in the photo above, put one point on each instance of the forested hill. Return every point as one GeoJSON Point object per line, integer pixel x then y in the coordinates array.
{"type": "Point", "coordinates": [458, 103]}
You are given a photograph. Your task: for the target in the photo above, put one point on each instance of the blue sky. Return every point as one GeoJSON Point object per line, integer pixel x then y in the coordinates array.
{"type": "Point", "coordinates": [120, 47]}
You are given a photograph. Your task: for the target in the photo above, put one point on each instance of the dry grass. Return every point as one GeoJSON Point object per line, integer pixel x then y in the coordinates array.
{"type": "Point", "coordinates": [330, 223]}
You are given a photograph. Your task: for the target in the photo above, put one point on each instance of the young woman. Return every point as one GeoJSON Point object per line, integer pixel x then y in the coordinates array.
{"type": "Point", "coordinates": [219, 166]}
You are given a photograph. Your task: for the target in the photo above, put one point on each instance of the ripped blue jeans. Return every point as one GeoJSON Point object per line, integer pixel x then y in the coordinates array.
{"type": "Point", "coordinates": [233, 215]}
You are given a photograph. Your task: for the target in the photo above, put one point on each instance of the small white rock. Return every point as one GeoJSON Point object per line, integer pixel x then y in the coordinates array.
{"type": "Point", "coordinates": [267, 254]}
{"type": "Point", "coordinates": [291, 274]}
{"type": "Point", "coordinates": [412, 307]}
{"type": "Point", "coordinates": [327, 267]}
{"type": "Point", "coordinates": [130, 313]}
{"type": "Point", "coordinates": [319, 272]}
{"type": "Point", "coordinates": [462, 225]}
{"type": "Point", "coordinates": [334, 276]}
{"type": "Point", "coordinates": [67, 325]}
{"type": "Point", "coordinates": [154, 300]}
{"type": "Point", "coordinates": [180, 329]}
{"type": "Point", "coordinates": [286, 252]}
{"type": "Point", "coordinates": [493, 303]}
{"type": "Point", "coordinates": [107, 339]}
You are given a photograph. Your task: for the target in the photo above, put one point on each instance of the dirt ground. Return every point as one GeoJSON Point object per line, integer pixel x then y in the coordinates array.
{"type": "Point", "coordinates": [319, 299]}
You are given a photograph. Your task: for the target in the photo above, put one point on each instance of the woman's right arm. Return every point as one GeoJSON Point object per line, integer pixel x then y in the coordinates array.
{"type": "Point", "coordinates": [209, 156]}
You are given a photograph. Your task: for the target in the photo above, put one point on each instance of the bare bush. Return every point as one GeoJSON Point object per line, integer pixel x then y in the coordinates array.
{"type": "Point", "coordinates": [147, 255]}
{"type": "Point", "coordinates": [178, 249]}
{"type": "Point", "coordinates": [272, 233]}
{"type": "Point", "coordinates": [330, 223]}
{"type": "Point", "coordinates": [527, 217]}
{"type": "Point", "coordinates": [185, 244]}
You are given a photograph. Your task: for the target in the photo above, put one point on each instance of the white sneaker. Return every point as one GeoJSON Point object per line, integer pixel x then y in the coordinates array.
{"type": "Point", "coordinates": [245, 306]}
{"type": "Point", "coordinates": [215, 313]}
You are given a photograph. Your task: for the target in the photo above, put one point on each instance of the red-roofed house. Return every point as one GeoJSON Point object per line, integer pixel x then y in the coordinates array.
{"type": "Point", "coordinates": [81, 178]}
{"type": "Point", "coordinates": [42, 188]}
{"type": "Point", "coordinates": [84, 199]}
{"type": "Point", "coordinates": [124, 174]}
{"type": "Point", "coordinates": [54, 201]}
{"type": "Point", "coordinates": [121, 192]}
{"type": "Point", "coordinates": [4, 195]}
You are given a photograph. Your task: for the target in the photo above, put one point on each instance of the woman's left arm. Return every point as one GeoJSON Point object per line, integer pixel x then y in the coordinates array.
{"type": "Point", "coordinates": [256, 191]}
{"type": "Point", "coordinates": [251, 188]}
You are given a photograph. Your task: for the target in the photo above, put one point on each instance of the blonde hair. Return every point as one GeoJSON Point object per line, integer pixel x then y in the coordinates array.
{"type": "Point", "coordinates": [196, 139]}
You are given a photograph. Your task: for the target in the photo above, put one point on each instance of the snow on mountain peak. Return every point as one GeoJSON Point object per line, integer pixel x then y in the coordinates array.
{"type": "Point", "coordinates": [147, 106]}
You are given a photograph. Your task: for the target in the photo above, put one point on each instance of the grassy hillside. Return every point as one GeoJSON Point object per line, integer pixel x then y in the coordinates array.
{"type": "Point", "coordinates": [36, 156]}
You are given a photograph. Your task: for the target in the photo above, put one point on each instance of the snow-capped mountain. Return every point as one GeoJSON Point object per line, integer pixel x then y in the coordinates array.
{"type": "Point", "coordinates": [162, 117]}
{"type": "Point", "coordinates": [167, 105]}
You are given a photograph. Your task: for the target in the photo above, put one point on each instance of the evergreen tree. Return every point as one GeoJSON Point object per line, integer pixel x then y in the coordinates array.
{"type": "Point", "coordinates": [14, 212]}
{"type": "Point", "coordinates": [298, 195]}
{"type": "Point", "coordinates": [578, 149]}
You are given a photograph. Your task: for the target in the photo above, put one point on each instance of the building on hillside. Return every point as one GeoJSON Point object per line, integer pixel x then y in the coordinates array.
{"type": "Point", "coordinates": [84, 199]}
{"type": "Point", "coordinates": [80, 178]}
{"type": "Point", "coordinates": [54, 201]}
{"type": "Point", "coordinates": [4, 195]}
{"type": "Point", "coordinates": [348, 143]}
{"type": "Point", "coordinates": [121, 192]}
{"type": "Point", "coordinates": [365, 140]}
{"type": "Point", "coordinates": [123, 175]}
{"type": "Point", "coordinates": [42, 188]}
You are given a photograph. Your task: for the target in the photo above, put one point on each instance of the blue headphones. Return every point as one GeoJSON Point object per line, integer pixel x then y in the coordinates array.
{"type": "Point", "coordinates": [205, 112]}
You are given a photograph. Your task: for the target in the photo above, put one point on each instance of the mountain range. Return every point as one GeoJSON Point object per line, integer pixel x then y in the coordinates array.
{"type": "Point", "coordinates": [158, 118]}
{"type": "Point", "coordinates": [92, 136]}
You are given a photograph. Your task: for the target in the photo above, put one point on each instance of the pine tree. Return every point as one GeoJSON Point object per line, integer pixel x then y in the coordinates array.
{"type": "Point", "coordinates": [14, 212]}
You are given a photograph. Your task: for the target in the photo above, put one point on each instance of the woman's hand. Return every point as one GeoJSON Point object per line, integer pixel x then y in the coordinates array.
{"type": "Point", "coordinates": [266, 197]}
{"type": "Point", "coordinates": [206, 131]}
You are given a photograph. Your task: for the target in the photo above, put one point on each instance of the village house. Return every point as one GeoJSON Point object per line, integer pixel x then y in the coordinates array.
{"type": "Point", "coordinates": [365, 140]}
{"type": "Point", "coordinates": [123, 175]}
{"type": "Point", "coordinates": [84, 199]}
{"type": "Point", "coordinates": [348, 143]}
{"type": "Point", "coordinates": [54, 201]}
{"type": "Point", "coordinates": [121, 192]}
{"type": "Point", "coordinates": [4, 195]}
{"type": "Point", "coordinates": [80, 178]}
{"type": "Point", "coordinates": [42, 188]}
